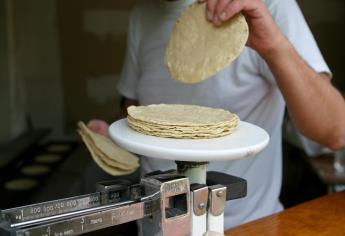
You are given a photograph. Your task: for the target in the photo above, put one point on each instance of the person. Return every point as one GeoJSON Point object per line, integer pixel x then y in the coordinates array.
{"type": "Point", "coordinates": [280, 67]}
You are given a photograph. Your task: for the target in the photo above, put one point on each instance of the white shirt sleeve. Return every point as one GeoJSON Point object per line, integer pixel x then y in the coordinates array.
{"type": "Point", "coordinates": [292, 23]}
{"type": "Point", "coordinates": [127, 85]}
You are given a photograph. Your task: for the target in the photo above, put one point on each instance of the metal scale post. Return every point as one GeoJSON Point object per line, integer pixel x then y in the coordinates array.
{"type": "Point", "coordinates": [196, 172]}
{"type": "Point", "coordinates": [207, 202]}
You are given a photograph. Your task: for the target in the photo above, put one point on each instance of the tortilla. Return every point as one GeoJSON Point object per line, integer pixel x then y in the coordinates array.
{"type": "Point", "coordinates": [181, 121]}
{"type": "Point", "coordinates": [34, 170]}
{"type": "Point", "coordinates": [197, 49]}
{"type": "Point", "coordinates": [21, 184]}
{"type": "Point", "coordinates": [107, 155]}
{"type": "Point", "coordinates": [108, 169]}
{"type": "Point", "coordinates": [48, 158]}
{"type": "Point", "coordinates": [59, 148]}
{"type": "Point", "coordinates": [96, 151]}
{"type": "Point", "coordinates": [109, 148]}
{"type": "Point", "coordinates": [180, 115]}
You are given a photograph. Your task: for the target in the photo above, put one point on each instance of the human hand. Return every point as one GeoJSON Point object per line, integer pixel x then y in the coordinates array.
{"type": "Point", "coordinates": [98, 126]}
{"type": "Point", "coordinates": [264, 34]}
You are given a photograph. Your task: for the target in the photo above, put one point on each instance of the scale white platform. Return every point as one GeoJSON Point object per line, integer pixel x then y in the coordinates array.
{"type": "Point", "coordinates": [247, 140]}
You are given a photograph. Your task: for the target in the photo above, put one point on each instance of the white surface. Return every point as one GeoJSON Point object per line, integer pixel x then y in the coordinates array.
{"type": "Point", "coordinates": [247, 140]}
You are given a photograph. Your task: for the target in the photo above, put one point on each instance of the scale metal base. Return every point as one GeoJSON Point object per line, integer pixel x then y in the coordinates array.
{"type": "Point", "coordinates": [189, 201]}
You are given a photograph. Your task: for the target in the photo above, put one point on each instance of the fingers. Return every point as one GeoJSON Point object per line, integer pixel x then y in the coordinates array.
{"type": "Point", "coordinates": [231, 9]}
{"type": "Point", "coordinates": [235, 7]}
{"type": "Point", "coordinates": [98, 126]}
{"type": "Point", "coordinates": [210, 10]}
{"type": "Point", "coordinates": [215, 8]}
{"type": "Point", "coordinates": [219, 11]}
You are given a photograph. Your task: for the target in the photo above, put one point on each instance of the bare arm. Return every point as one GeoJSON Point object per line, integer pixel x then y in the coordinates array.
{"type": "Point", "coordinates": [315, 106]}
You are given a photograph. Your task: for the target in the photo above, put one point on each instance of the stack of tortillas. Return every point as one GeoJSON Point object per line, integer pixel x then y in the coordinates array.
{"type": "Point", "coordinates": [110, 157]}
{"type": "Point", "coordinates": [198, 49]}
{"type": "Point", "coordinates": [181, 121]}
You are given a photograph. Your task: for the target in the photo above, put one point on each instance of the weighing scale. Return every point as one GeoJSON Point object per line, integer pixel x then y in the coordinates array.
{"type": "Point", "coordinates": [185, 201]}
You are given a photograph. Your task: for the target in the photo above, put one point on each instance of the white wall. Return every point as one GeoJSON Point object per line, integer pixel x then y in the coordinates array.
{"type": "Point", "coordinates": [30, 70]}
{"type": "Point", "coordinates": [37, 61]}
{"type": "Point", "coordinates": [4, 82]}
{"type": "Point", "coordinates": [12, 86]}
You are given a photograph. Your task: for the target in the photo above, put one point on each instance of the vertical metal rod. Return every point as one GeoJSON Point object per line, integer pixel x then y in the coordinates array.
{"type": "Point", "coordinates": [195, 171]}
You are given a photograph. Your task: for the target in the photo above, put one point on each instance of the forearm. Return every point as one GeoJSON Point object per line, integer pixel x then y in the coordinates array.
{"type": "Point", "coordinates": [315, 106]}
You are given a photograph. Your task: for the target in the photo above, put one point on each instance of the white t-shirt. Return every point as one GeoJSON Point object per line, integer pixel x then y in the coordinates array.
{"type": "Point", "coordinates": [246, 87]}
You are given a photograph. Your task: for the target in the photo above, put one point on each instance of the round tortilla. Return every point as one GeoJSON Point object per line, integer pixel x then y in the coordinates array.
{"type": "Point", "coordinates": [181, 121]}
{"type": "Point", "coordinates": [180, 115]}
{"type": "Point", "coordinates": [107, 147]}
{"type": "Point", "coordinates": [34, 170]}
{"type": "Point", "coordinates": [48, 158]}
{"type": "Point", "coordinates": [197, 49]}
{"type": "Point", "coordinates": [58, 148]}
{"type": "Point", "coordinates": [101, 163]}
{"type": "Point", "coordinates": [20, 184]}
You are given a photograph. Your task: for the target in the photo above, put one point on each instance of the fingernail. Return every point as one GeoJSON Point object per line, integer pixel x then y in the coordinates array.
{"type": "Point", "coordinates": [216, 19]}
{"type": "Point", "coordinates": [209, 16]}
{"type": "Point", "coordinates": [223, 16]}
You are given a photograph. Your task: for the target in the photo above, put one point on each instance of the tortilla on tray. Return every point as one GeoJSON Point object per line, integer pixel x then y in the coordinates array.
{"type": "Point", "coordinates": [181, 121]}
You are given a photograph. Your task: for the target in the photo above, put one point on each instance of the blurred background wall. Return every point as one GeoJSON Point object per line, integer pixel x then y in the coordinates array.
{"type": "Point", "coordinates": [92, 42]}
{"type": "Point", "coordinates": [12, 89]}
{"type": "Point", "coordinates": [4, 81]}
{"type": "Point", "coordinates": [327, 21]}
{"type": "Point", "coordinates": [60, 59]}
